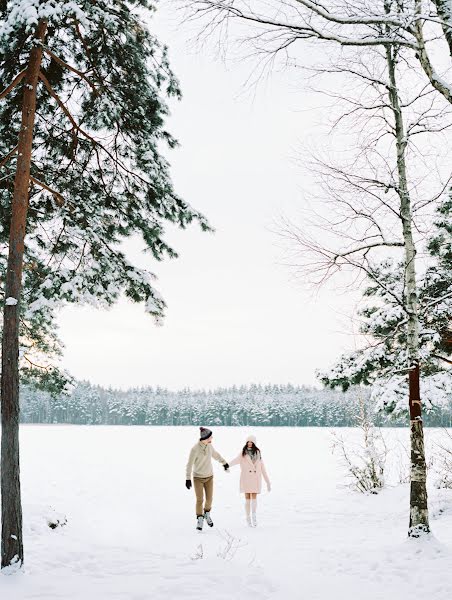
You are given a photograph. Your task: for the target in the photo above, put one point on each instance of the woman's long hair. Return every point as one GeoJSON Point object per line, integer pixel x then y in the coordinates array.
{"type": "Point", "coordinates": [254, 448]}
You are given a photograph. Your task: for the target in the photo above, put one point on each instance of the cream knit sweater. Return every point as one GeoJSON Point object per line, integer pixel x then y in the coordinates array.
{"type": "Point", "coordinates": [200, 460]}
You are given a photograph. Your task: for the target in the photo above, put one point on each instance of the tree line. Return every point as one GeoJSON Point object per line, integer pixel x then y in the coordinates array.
{"type": "Point", "coordinates": [254, 405]}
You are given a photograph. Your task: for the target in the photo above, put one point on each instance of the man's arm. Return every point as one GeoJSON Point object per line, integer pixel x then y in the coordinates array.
{"type": "Point", "coordinates": [217, 456]}
{"type": "Point", "coordinates": [189, 468]}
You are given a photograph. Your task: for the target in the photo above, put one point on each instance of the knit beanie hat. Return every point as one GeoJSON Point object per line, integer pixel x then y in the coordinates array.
{"type": "Point", "coordinates": [251, 438]}
{"type": "Point", "coordinates": [205, 433]}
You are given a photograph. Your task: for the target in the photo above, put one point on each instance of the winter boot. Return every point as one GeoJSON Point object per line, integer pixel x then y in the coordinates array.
{"type": "Point", "coordinates": [208, 518]}
{"type": "Point", "coordinates": [200, 523]}
{"type": "Point", "coordinates": [254, 519]}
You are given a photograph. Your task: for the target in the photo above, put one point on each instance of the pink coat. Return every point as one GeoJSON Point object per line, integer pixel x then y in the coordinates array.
{"type": "Point", "coordinates": [251, 474]}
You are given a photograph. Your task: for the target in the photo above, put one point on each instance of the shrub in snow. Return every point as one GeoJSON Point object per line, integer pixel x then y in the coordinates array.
{"type": "Point", "coordinates": [55, 519]}
{"type": "Point", "coordinates": [231, 544]}
{"type": "Point", "coordinates": [365, 460]}
{"type": "Point", "coordinates": [443, 462]}
{"type": "Point", "coordinates": [199, 554]}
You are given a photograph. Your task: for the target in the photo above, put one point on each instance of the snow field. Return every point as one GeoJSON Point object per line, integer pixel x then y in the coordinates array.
{"type": "Point", "coordinates": [131, 526]}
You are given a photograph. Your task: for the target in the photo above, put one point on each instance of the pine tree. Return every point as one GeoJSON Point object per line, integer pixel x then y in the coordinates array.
{"type": "Point", "coordinates": [383, 321]}
{"type": "Point", "coordinates": [438, 282]}
{"type": "Point", "coordinates": [82, 124]}
{"type": "Point", "coordinates": [382, 363]}
{"type": "Point", "coordinates": [386, 360]}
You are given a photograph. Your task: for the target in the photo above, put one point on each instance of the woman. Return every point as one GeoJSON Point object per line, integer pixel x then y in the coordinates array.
{"type": "Point", "coordinates": [252, 470]}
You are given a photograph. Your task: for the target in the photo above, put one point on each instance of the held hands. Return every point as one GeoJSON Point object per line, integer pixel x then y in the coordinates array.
{"type": "Point", "coordinates": [188, 484]}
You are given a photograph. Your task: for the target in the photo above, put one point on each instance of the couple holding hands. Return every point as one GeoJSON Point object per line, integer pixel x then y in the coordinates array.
{"type": "Point", "coordinates": [200, 466]}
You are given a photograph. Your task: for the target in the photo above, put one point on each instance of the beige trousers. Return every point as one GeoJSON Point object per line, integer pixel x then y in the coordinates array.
{"type": "Point", "coordinates": [201, 485]}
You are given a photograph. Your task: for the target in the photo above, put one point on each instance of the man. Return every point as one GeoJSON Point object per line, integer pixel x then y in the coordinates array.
{"type": "Point", "coordinates": [200, 464]}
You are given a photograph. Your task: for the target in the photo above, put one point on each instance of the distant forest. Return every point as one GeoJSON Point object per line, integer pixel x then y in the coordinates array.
{"type": "Point", "coordinates": [254, 405]}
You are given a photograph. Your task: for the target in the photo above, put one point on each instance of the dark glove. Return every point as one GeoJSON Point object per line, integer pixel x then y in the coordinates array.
{"type": "Point", "coordinates": [188, 484]}
{"type": "Point", "coordinates": [226, 466]}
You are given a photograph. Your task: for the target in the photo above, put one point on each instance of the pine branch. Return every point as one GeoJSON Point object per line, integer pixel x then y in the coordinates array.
{"type": "Point", "coordinates": [447, 360]}
{"type": "Point", "coordinates": [13, 84]}
{"type": "Point", "coordinates": [58, 197]}
{"type": "Point", "coordinates": [89, 137]}
{"type": "Point", "coordinates": [8, 156]}
{"type": "Point", "coordinates": [87, 50]}
{"type": "Point", "coordinates": [42, 367]}
{"type": "Point", "coordinates": [437, 301]}
{"type": "Point", "coordinates": [371, 274]}
{"type": "Point", "coordinates": [73, 69]}
{"type": "Point", "coordinates": [60, 103]}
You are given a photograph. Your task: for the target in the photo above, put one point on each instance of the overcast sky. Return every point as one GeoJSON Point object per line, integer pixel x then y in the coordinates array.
{"type": "Point", "coordinates": [235, 314]}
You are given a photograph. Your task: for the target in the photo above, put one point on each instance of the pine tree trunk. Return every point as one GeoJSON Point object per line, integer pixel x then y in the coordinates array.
{"type": "Point", "coordinates": [12, 544]}
{"type": "Point", "coordinates": [419, 522]}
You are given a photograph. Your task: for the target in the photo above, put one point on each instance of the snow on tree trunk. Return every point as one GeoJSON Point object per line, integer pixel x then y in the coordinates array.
{"type": "Point", "coordinates": [12, 545]}
{"type": "Point", "coordinates": [423, 55]}
{"type": "Point", "coordinates": [419, 522]}
{"type": "Point", "coordinates": [418, 476]}
{"type": "Point", "coordinates": [444, 10]}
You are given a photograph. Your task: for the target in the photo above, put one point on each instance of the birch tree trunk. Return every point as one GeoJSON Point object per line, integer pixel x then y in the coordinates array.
{"type": "Point", "coordinates": [419, 522]}
{"type": "Point", "coordinates": [12, 544]}
{"type": "Point", "coordinates": [444, 9]}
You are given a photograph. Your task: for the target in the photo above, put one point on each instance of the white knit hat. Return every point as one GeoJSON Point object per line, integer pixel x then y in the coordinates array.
{"type": "Point", "coordinates": [251, 438]}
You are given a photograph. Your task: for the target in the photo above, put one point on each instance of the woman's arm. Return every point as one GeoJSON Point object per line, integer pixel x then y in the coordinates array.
{"type": "Point", "coordinates": [265, 475]}
{"type": "Point", "coordinates": [236, 461]}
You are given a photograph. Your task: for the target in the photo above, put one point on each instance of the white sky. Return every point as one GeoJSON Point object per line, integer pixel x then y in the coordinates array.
{"type": "Point", "coordinates": [234, 315]}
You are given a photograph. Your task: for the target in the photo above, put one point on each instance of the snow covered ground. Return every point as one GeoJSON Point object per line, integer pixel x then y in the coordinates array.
{"type": "Point", "coordinates": [130, 532]}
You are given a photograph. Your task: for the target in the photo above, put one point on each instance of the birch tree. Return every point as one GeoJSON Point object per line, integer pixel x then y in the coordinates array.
{"type": "Point", "coordinates": [82, 126]}
{"type": "Point", "coordinates": [378, 203]}
{"type": "Point", "coordinates": [277, 27]}
{"type": "Point", "coordinates": [395, 32]}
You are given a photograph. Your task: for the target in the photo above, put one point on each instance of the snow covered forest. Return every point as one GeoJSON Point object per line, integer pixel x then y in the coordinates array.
{"type": "Point", "coordinates": [94, 207]}
{"type": "Point", "coordinates": [255, 405]}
